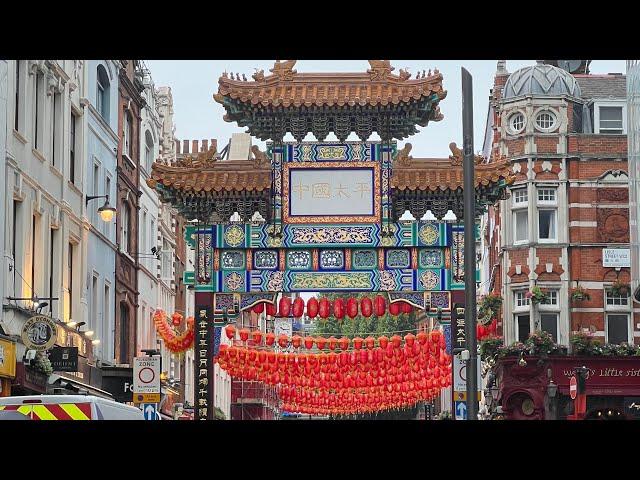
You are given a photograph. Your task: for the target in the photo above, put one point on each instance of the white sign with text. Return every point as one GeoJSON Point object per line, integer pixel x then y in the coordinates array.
{"type": "Point", "coordinates": [616, 257]}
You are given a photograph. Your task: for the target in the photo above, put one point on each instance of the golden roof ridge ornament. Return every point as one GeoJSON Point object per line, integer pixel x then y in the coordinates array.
{"type": "Point", "coordinates": [380, 69]}
{"type": "Point", "coordinates": [403, 159]}
{"type": "Point", "coordinates": [284, 70]}
{"type": "Point", "coordinates": [458, 155]}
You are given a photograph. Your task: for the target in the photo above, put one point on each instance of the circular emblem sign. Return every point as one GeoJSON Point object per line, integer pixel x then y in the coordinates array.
{"type": "Point", "coordinates": [39, 333]}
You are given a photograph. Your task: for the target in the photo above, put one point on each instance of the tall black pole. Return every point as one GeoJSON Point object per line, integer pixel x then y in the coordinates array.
{"type": "Point", "coordinates": [469, 245]}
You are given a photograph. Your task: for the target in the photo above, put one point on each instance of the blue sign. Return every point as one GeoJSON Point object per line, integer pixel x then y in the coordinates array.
{"type": "Point", "coordinates": [446, 330]}
{"type": "Point", "coordinates": [461, 410]}
{"type": "Point", "coordinates": [217, 332]}
{"type": "Point", "coordinates": [150, 411]}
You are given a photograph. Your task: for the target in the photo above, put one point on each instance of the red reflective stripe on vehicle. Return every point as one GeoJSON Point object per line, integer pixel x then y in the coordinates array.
{"type": "Point", "coordinates": [85, 408]}
{"type": "Point", "coordinates": [11, 407]}
{"type": "Point", "coordinates": [59, 412]}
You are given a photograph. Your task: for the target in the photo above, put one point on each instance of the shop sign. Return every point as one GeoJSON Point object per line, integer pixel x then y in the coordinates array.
{"type": "Point", "coordinates": [7, 358]}
{"type": "Point", "coordinates": [39, 333]}
{"type": "Point", "coordinates": [615, 376]}
{"type": "Point", "coordinates": [64, 359]}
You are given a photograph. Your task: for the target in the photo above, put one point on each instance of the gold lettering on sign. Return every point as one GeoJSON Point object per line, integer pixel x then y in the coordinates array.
{"type": "Point", "coordinates": [300, 188]}
{"type": "Point", "coordinates": [342, 192]}
{"type": "Point", "coordinates": [321, 190]}
{"type": "Point", "coordinates": [362, 189]}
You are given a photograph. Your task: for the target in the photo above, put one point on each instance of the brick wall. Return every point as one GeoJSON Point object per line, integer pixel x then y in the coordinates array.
{"type": "Point", "coordinates": [546, 144]}
{"type": "Point", "coordinates": [597, 145]}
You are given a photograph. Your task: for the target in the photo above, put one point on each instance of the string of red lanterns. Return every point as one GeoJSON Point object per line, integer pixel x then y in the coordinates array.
{"type": "Point", "coordinates": [366, 379]}
{"type": "Point", "coordinates": [175, 341]}
{"type": "Point", "coordinates": [323, 308]}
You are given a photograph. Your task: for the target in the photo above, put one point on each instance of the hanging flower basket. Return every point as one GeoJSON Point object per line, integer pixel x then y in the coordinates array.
{"type": "Point", "coordinates": [620, 289]}
{"type": "Point", "coordinates": [579, 294]}
{"type": "Point", "coordinates": [537, 295]}
{"type": "Point", "coordinates": [489, 307]}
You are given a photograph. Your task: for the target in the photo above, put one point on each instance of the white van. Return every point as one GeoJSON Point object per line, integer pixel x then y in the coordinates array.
{"type": "Point", "coordinates": [66, 407]}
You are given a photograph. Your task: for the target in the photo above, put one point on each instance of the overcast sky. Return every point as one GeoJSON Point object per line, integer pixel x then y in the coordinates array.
{"type": "Point", "coordinates": [197, 116]}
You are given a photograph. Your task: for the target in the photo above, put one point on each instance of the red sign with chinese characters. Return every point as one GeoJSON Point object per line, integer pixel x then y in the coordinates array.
{"type": "Point", "coordinates": [605, 376]}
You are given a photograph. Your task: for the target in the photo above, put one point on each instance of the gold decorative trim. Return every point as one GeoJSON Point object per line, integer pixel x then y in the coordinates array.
{"type": "Point", "coordinates": [340, 219]}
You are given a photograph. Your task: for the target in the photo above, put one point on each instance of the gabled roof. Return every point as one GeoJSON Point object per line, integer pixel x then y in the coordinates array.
{"type": "Point", "coordinates": [287, 88]}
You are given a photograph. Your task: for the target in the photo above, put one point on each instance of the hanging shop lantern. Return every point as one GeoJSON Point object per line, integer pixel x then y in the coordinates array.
{"type": "Point", "coordinates": [394, 308]}
{"type": "Point", "coordinates": [406, 307]}
{"type": "Point", "coordinates": [244, 334]}
{"type": "Point", "coordinates": [271, 309]}
{"type": "Point", "coordinates": [258, 308]}
{"type": "Point", "coordinates": [312, 307]}
{"type": "Point", "coordinates": [366, 307]}
{"type": "Point", "coordinates": [324, 307]}
{"type": "Point", "coordinates": [230, 331]}
{"type": "Point", "coordinates": [270, 338]}
{"type": "Point", "coordinates": [352, 308]}
{"type": "Point", "coordinates": [298, 307]}
{"type": "Point", "coordinates": [338, 308]}
{"type": "Point", "coordinates": [284, 307]}
{"type": "Point", "coordinates": [381, 305]}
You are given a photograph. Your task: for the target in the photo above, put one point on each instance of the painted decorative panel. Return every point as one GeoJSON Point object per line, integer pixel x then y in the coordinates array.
{"type": "Point", "coordinates": [333, 152]}
{"type": "Point", "coordinates": [429, 234]}
{"type": "Point", "coordinates": [441, 300]}
{"type": "Point", "coordinates": [232, 259]}
{"type": "Point", "coordinates": [355, 235]}
{"type": "Point", "coordinates": [331, 259]}
{"type": "Point", "coordinates": [431, 258]}
{"type": "Point", "coordinates": [234, 235]}
{"type": "Point", "coordinates": [299, 260]}
{"type": "Point", "coordinates": [265, 259]}
{"type": "Point", "coordinates": [398, 259]}
{"type": "Point", "coordinates": [234, 281]}
{"type": "Point", "coordinates": [323, 281]}
{"type": "Point", "coordinates": [430, 280]}
{"type": "Point", "coordinates": [364, 259]}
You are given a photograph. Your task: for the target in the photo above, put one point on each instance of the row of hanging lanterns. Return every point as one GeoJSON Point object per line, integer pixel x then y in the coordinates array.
{"type": "Point", "coordinates": [324, 308]}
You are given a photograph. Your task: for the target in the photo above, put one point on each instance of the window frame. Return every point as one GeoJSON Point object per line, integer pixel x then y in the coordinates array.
{"type": "Point", "coordinates": [596, 114]}
{"type": "Point", "coordinates": [553, 226]}
{"type": "Point", "coordinates": [554, 122]}
{"type": "Point", "coordinates": [511, 120]}
{"type": "Point", "coordinates": [629, 326]}
{"type": "Point", "coordinates": [516, 322]}
{"type": "Point", "coordinates": [526, 306]}
{"type": "Point", "coordinates": [557, 316]}
{"type": "Point", "coordinates": [519, 207]}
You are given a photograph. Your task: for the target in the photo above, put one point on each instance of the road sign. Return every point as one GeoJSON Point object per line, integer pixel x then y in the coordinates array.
{"type": "Point", "coordinates": [146, 398]}
{"type": "Point", "coordinates": [573, 387]}
{"type": "Point", "coordinates": [460, 374]}
{"type": "Point", "coordinates": [462, 396]}
{"type": "Point", "coordinates": [146, 377]}
{"type": "Point", "coordinates": [461, 410]}
{"type": "Point", "coordinates": [150, 411]}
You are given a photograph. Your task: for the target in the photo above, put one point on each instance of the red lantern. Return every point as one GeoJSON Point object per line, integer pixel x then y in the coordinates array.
{"type": "Point", "coordinates": [296, 341]}
{"type": "Point", "coordinates": [323, 308]}
{"type": "Point", "coordinates": [383, 342]}
{"type": "Point", "coordinates": [394, 308]}
{"type": "Point", "coordinates": [370, 342]}
{"type": "Point", "coordinates": [283, 340]}
{"type": "Point", "coordinates": [338, 308]}
{"type": "Point", "coordinates": [406, 307]}
{"type": "Point", "coordinates": [284, 307]}
{"type": "Point", "coordinates": [366, 307]}
{"type": "Point", "coordinates": [258, 307]}
{"type": "Point", "coordinates": [321, 341]}
{"type": "Point", "coordinates": [312, 307]}
{"type": "Point", "coordinates": [422, 337]}
{"type": "Point", "coordinates": [344, 343]}
{"type": "Point", "coordinates": [357, 343]}
{"type": "Point", "coordinates": [352, 307]}
{"type": "Point", "coordinates": [298, 307]}
{"type": "Point", "coordinates": [381, 305]}
{"type": "Point", "coordinates": [409, 339]}
{"type": "Point", "coordinates": [256, 336]}
{"type": "Point", "coordinates": [230, 331]}
{"type": "Point", "coordinates": [270, 338]}
{"type": "Point", "coordinates": [396, 340]}
{"type": "Point", "coordinates": [332, 343]}
{"type": "Point", "coordinates": [244, 334]}
{"type": "Point", "coordinates": [271, 309]}
{"type": "Point", "coordinates": [308, 342]}
{"type": "Point", "coordinates": [176, 319]}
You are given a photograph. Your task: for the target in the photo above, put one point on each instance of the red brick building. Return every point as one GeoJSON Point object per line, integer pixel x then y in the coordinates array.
{"type": "Point", "coordinates": [130, 103]}
{"type": "Point", "coordinates": [565, 135]}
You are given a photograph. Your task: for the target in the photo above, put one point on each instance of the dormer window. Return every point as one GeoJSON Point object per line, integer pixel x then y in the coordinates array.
{"type": "Point", "coordinates": [610, 118]}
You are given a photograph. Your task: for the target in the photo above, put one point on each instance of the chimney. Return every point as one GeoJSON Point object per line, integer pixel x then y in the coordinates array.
{"type": "Point", "coordinates": [177, 147]}
{"type": "Point", "coordinates": [205, 145]}
{"type": "Point", "coordinates": [214, 143]}
{"type": "Point", "coordinates": [185, 146]}
{"type": "Point", "coordinates": [194, 146]}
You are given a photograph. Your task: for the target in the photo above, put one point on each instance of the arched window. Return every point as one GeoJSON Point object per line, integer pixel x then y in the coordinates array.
{"type": "Point", "coordinates": [126, 228]}
{"type": "Point", "coordinates": [148, 150]}
{"type": "Point", "coordinates": [102, 95]}
{"type": "Point", "coordinates": [124, 333]}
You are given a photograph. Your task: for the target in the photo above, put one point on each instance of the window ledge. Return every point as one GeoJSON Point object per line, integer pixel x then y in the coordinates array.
{"type": "Point", "coordinates": [19, 136]}
{"type": "Point", "coordinates": [55, 171]}
{"type": "Point", "coordinates": [127, 158]}
{"type": "Point", "coordinates": [38, 155]}
{"type": "Point", "coordinates": [73, 187]}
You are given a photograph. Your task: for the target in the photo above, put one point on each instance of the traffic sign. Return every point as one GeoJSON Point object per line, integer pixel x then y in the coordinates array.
{"type": "Point", "coordinates": [461, 410]}
{"type": "Point", "coordinates": [150, 411]}
{"type": "Point", "coordinates": [573, 388]}
{"type": "Point", "coordinates": [146, 398]}
{"type": "Point", "coordinates": [146, 377]}
{"type": "Point", "coordinates": [462, 396]}
{"type": "Point", "coordinates": [460, 374]}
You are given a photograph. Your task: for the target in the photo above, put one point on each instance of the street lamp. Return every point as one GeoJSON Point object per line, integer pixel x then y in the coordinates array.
{"type": "Point", "coordinates": [106, 211]}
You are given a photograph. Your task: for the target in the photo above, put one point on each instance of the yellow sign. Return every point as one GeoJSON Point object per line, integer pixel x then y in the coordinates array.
{"type": "Point", "coordinates": [146, 398]}
{"type": "Point", "coordinates": [462, 396]}
{"type": "Point", "coordinates": [7, 358]}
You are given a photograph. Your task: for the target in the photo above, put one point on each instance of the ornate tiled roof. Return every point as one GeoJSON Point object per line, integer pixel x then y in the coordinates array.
{"type": "Point", "coordinates": [207, 172]}
{"type": "Point", "coordinates": [439, 174]}
{"type": "Point", "coordinates": [287, 88]}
